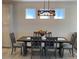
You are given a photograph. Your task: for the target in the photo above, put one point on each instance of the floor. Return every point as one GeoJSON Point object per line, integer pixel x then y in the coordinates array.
{"type": "Point", "coordinates": [6, 54]}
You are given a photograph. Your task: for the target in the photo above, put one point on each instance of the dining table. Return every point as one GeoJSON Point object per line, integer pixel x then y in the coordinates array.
{"type": "Point", "coordinates": [27, 39]}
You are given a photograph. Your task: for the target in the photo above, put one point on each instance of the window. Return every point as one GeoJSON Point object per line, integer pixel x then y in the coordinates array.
{"type": "Point", "coordinates": [30, 13]}
{"type": "Point", "coordinates": [44, 17]}
{"type": "Point", "coordinates": [59, 14]}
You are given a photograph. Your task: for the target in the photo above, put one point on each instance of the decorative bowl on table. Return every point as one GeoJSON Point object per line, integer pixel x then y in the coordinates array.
{"type": "Point", "coordinates": [41, 32]}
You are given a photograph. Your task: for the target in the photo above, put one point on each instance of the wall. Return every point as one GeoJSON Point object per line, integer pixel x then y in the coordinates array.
{"type": "Point", "coordinates": [14, 20]}
{"type": "Point", "coordinates": [5, 25]}
{"type": "Point", "coordinates": [58, 27]}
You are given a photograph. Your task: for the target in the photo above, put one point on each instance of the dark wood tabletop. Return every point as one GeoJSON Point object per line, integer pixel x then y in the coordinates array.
{"type": "Point", "coordinates": [28, 39]}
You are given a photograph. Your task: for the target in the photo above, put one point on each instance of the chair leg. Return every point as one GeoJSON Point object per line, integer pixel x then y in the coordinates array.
{"type": "Point", "coordinates": [46, 53]}
{"type": "Point", "coordinates": [15, 49]}
{"type": "Point", "coordinates": [72, 52]}
{"type": "Point", "coordinates": [55, 53]}
{"type": "Point", "coordinates": [63, 51]}
{"type": "Point", "coordinates": [40, 53]}
{"type": "Point", "coordinates": [21, 50]}
{"type": "Point", "coordinates": [49, 55]}
{"type": "Point", "coordinates": [31, 53]}
{"type": "Point", "coordinates": [12, 51]}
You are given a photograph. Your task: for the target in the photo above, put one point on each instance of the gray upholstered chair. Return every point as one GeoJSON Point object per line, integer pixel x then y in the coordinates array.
{"type": "Point", "coordinates": [35, 34]}
{"type": "Point", "coordinates": [14, 44]}
{"type": "Point", "coordinates": [75, 41]}
{"type": "Point", "coordinates": [51, 43]}
{"type": "Point", "coordinates": [70, 45]}
{"type": "Point", "coordinates": [35, 44]}
{"type": "Point", "coordinates": [49, 34]}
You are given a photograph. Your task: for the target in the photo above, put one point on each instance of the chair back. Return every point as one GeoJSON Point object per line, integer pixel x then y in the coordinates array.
{"type": "Point", "coordinates": [36, 34]}
{"type": "Point", "coordinates": [73, 37]}
{"type": "Point", "coordinates": [51, 42]}
{"type": "Point", "coordinates": [75, 40]}
{"type": "Point", "coordinates": [12, 37]}
{"type": "Point", "coordinates": [35, 42]}
{"type": "Point", "coordinates": [49, 34]}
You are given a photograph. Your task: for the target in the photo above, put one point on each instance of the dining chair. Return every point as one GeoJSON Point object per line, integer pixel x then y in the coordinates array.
{"type": "Point", "coordinates": [49, 34]}
{"type": "Point", "coordinates": [51, 43]}
{"type": "Point", "coordinates": [35, 44]}
{"type": "Point", "coordinates": [14, 44]}
{"type": "Point", "coordinates": [70, 45]}
{"type": "Point", "coordinates": [36, 34]}
{"type": "Point", "coordinates": [75, 41]}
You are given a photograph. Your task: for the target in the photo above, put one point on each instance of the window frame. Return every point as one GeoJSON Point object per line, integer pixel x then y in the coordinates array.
{"type": "Point", "coordinates": [63, 17]}
{"type": "Point", "coordinates": [26, 16]}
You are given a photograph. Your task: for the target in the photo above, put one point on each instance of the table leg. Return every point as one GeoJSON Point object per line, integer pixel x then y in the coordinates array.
{"type": "Point", "coordinates": [44, 51]}
{"type": "Point", "coordinates": [25, 48]}
{"type": "Point", "coordinates": [61, 49]}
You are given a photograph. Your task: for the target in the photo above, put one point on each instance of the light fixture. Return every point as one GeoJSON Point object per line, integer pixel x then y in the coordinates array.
{"type": "Point", "coordinates": [46, 12]}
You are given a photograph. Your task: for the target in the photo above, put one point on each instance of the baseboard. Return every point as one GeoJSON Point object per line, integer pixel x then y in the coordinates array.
{"type": "Point", "coordinates": [6, 47]}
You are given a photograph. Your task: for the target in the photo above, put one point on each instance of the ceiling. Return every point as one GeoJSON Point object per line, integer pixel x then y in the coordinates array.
{"type": "Point", "coordinates": [37, 0]}
{"type": "Point", "coordinates": [43, 0]}
{"type": "Point", "coordinates": [8, 1]}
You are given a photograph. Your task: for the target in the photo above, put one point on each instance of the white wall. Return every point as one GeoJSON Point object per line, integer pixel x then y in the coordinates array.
{"type": "Point", "coordinates": [5, 25]}
{"type": "Point", "coordinates": [26, 27]}
{"type": "Point", "coordinates": [22, 27]}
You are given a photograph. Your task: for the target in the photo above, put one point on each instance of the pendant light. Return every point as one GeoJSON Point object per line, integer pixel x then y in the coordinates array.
{"type": "Point", "coordinates": [46, 11]}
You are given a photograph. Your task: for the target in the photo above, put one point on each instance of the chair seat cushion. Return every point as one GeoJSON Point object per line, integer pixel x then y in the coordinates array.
{"type": "Point", "coordinates": [67, 45]}
{"type": "Point", "coordinates": [54, 46]}
{"type": "Point", "coordinates": [18, 44]}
